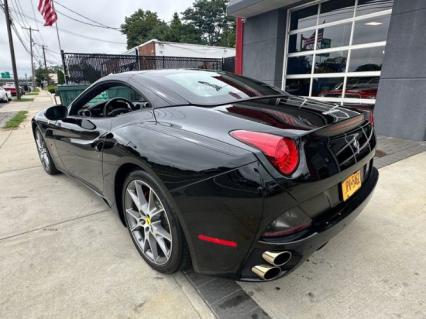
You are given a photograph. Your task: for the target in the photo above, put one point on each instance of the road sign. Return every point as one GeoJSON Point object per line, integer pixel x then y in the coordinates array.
{"type": "Point", "coordinates": [5, 75]}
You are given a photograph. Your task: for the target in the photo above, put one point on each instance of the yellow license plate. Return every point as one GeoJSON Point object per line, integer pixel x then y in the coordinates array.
{"type": "Point", "coordinates": [351, 184]}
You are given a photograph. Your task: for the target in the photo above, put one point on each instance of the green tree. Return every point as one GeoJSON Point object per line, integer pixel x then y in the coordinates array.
{"type": "Point", "coordinates": [209, 18]}
{"type": "Point", "coordinates": [184, 33]}
{"type": "Point", "coordinates": [206, 23]}
{"type": "Point", "coordinates": [142, 26]}
{"type": "Point", "coordinates": [61, 76]}
{"type": "Point", "coordinates": [41, 74]}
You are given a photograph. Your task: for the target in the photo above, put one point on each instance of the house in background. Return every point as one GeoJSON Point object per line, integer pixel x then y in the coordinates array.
{"type": "Point", "coordinates": [173, 49]}
{"type": "Point", "coordinates": [368, 52]}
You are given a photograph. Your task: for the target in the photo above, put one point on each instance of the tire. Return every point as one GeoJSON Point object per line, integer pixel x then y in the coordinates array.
{"type": "Point", "coordinates": [150, 220]}
{"type": "Point", "coordinates": [44, 155]}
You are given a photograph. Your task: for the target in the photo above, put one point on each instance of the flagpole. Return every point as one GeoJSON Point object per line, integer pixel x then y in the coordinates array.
{"type": "Point", "coordinates": [60, 46]}
{"type": "Point", "coordinates": [57, 30]}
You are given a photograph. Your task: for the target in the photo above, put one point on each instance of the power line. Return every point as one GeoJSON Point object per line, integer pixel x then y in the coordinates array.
{"type": "Point", "coordinates": [86, 23]}
{"type": "Point", "coordinates": [82, 16]}
{"type": "Point", "coordinates": [22, 21]}
{"type": "Point", "coordinates": [31, 50]}
{"type": "Point", "coordinates": [19, 38]}
{"type": "Point", "coordinates": [76, 34]}
{"type": "Point", "coordinates": [90, 38]}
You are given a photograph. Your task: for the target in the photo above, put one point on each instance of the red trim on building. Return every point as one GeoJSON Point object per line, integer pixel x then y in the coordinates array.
{"type": "Point", "coordinates": [239, 34]}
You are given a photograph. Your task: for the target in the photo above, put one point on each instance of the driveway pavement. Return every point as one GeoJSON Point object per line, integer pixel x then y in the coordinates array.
{"type": "Point", "coordinates": [63, 253]}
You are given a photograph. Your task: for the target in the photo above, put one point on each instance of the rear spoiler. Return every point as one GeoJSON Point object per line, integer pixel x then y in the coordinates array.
{"type": "Point", "coordinates": [340, 127]}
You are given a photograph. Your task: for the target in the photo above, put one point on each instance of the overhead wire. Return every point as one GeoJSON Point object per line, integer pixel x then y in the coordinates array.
{"type": "Point", "coordinates": [76, 34]}
{"type": "Point", "coordinates": [84, 17]}
{"type": "Point", "coordinates": [86, 23]}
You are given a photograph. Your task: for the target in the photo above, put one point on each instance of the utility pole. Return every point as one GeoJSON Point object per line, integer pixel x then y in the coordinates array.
{"type": "Point", "coordinates": [12, 50]}
{"type": "Point", "coordinates": [45, 64]}
{"type": "Point", "coordinates": [32, 55]}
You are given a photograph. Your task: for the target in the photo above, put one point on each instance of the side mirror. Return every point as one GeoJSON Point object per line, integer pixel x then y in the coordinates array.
{"type": "Point", "coordinates": [57, 112]}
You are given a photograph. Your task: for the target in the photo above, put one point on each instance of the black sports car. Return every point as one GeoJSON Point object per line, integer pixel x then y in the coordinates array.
{"type": "Point", "coordinates": [231, 174]}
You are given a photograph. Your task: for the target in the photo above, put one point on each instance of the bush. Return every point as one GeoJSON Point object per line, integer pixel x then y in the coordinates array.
{"type": "Point", "coordinates": [51, 89]}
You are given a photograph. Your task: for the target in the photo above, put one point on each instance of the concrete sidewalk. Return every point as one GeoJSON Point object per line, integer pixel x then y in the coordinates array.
{"type": "Point", "coordinates": [375, 268]}
{"type": "Point", "coordinates": [64, 254]}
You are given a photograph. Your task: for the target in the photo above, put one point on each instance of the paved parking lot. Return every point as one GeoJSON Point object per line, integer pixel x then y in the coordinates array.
{"type": "Point", "coordinates": [64, 254]}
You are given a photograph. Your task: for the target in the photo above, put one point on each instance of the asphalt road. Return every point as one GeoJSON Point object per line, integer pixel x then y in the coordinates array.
{"type": "Point", "coordinates": [64, 254]}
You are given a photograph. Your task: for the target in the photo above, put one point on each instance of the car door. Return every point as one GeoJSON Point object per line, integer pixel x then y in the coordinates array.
{"type": "Point", "coordinates": [79, 143]}
{"type": "Point", "coordinates": [78, 139]}
{"type": "Point", "coordinates": [81, 136]}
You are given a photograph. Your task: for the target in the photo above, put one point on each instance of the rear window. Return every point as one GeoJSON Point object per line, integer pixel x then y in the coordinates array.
{"type": "Point", "coordinates": [210, 87]}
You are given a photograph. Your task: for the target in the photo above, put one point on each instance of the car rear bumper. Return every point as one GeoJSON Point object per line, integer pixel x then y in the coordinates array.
{"type": "Point", "coordinates": [322, 230]}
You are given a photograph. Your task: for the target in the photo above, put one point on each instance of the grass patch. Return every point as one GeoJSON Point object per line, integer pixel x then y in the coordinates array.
{"type": "Point", "coordinates": [32, 93]}
{"type": "Point", "coordinates": [17, 119]}
{"type": "Point", "coordinates": [25, 99]}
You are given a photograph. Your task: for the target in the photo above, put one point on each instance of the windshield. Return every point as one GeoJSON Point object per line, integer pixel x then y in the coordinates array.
{"type": "Point", "coordinates": [214, 87]}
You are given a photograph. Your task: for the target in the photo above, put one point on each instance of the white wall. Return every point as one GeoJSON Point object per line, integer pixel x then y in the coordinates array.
{"type": "Point", "coordinates": [192, 50]}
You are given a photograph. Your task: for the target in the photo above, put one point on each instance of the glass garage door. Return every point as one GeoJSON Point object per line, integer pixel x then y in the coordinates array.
{"type": "Point", "coordinates": [335, 49]}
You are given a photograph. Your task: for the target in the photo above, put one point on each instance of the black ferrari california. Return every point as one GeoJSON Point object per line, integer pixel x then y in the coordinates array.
{"type": "Point", "coordinates": [230, 174]}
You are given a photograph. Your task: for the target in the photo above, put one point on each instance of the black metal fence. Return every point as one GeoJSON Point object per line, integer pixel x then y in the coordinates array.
{"type": "Point", "coordinates": [85, 68]}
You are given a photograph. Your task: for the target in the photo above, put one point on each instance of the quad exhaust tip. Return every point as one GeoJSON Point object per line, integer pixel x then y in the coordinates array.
{"type": "Point", "coordinates": [266, 272]}
{"type": "Point", "coordinates": [277, 258]}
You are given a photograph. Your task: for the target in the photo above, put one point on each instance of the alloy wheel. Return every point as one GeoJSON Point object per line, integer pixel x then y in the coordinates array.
{"type": "Point", "coordinates": [42, 150]}
{"type": "Point", "coordinates": [148, 222]}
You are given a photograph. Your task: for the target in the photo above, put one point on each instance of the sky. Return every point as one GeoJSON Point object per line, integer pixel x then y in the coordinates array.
{"type": "Point", "coordinates": [111, 13]}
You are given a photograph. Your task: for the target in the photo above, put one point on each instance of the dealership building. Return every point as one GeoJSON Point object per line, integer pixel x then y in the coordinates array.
{"type": "Point", "coordinates": [350, 52]}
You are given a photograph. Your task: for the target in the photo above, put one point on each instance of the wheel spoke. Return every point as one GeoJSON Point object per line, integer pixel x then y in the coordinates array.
{"type": "Point", "coordinates": [136, 226]}
{"type": "Point", "coordinates": [162, 246]}
{"type": "Point", "coordinates": [144, 241]}
{"type": "Point", "coordinates": [159, 230]}
{"type": "Point", "coordinates": [134, 198]}
{"type": "Point", "coordinates": [151, 201]}
{"type": "Point", "coordinates": [133, 213]}
{"type": "Point", "coordinates": [141, 197]}
{"type": "Point", "coordinates": [153, 246]}
{"type": "Point", "coordinates": [156, 212]}
{"type": "Point", "coordinates": [38, 141]}
{"type": "Point", "coordinates": [45, 158]}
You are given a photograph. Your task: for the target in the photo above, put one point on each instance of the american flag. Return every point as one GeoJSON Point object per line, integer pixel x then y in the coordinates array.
{"type": "Point", "coordinates": [47, 11]}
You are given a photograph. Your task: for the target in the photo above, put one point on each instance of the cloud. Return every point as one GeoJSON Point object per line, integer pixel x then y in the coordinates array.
{"type": "Point", "coordinates": [110, 13]}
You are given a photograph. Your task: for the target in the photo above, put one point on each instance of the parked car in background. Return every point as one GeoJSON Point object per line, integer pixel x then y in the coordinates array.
{"type": "Point", "coordinates": [5, 96]}
{"type": "Point", "coordinates": [11, 88]}
{"type": "Point", "coordinates": [365, 89]}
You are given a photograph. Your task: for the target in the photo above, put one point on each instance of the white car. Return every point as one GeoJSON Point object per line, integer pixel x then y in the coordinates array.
{"type": "Point", "coordinates": [5, 96]}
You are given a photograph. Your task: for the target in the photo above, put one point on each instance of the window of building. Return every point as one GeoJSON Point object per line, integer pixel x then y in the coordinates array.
{"type": "Point", "coordinates": [335, 49]}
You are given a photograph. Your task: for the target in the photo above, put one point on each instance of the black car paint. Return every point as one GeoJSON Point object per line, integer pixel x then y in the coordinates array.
{"type": "Point", "coordinates": [219, 186]}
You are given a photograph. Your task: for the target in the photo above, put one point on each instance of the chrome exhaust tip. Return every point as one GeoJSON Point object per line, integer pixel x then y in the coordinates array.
{"type": "Point", "coordinates": [277, 258]}
{"type": "Point", "coordinates": [266, 272]}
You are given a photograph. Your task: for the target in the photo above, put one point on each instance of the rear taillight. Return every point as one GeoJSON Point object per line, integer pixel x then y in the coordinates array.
{"type": "Point", "coordinates": [282, 152]}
